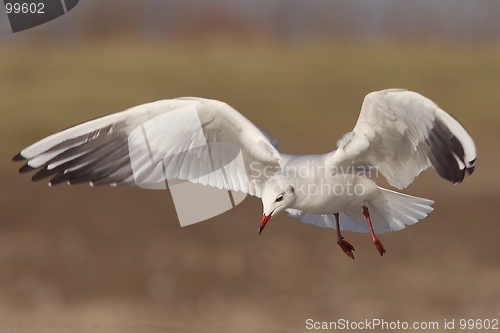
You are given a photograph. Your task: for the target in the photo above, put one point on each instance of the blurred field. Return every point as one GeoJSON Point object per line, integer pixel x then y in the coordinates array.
{"type": "Point", "coordinates": [104, 259]}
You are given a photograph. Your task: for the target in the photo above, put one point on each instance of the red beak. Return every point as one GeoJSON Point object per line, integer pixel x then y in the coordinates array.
{"type": "Point", "coordinates": [264, 221]}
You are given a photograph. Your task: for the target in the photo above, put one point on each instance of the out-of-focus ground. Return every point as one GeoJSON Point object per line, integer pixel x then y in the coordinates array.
{"type": "Point", "coordinates": [80, 259]}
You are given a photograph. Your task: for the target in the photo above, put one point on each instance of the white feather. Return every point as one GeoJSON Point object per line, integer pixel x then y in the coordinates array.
{"type": "Point", "coordinates": [392, 134]}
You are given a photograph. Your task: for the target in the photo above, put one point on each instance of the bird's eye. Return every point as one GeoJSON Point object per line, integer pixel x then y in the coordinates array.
{"type": "Point", "coordinates": [279, 198]}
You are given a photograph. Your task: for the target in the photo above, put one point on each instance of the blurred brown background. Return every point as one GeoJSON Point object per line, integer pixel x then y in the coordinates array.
{"type": "Point", "coordinates": [80, 259]}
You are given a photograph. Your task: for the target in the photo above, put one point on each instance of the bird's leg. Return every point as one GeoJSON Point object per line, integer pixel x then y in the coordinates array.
{"type": "Point", "coordinates": [375, 239]}
{"type": "Point", "coordinates": [345, 245]}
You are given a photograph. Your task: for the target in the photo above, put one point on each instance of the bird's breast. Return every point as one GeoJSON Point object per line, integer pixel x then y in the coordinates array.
{"type": "Point", "coordinates": [329, 195]}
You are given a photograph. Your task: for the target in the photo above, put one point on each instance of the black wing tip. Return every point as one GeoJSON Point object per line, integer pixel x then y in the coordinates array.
{"type": "Point", "coordinates": [447, 154]}
{"type": "Point", "coordinates": [455, 175]}
{"type": "Point", "coordinates": [26, 168]}
{"type": "Point", "coordinates": [42, 173]}
{"type": "Point", "coordinates": [18, 157]}
{"type": "Point", "coordinates": [472, 164]}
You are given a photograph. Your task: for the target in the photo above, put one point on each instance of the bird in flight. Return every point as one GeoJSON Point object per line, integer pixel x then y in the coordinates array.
{"type": "Point", "coordinates": [398, 134]}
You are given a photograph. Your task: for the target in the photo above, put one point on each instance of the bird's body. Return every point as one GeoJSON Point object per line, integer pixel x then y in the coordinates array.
{"type": "Point", "coordinates": [317, 196]}
{"type": "Point", "coordinates": [398, 135]}
{"type": "Point", "coordinates": [321, 191]}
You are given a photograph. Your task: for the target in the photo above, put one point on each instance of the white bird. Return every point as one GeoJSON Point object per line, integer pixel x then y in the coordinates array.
{"type": "Point", "coordinates": [399, 134]}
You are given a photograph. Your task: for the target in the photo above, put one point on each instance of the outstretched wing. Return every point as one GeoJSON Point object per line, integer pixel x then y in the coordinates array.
{"type": "Point", "coordinates": [402, 133]}
{"type": "Point", "coordinates": [194, 139]}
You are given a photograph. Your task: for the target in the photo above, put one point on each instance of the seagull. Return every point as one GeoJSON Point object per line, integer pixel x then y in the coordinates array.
{"type": "Point", "coordinates": [399, 134]}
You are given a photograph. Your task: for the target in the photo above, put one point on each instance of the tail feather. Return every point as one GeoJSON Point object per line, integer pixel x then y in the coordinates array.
{"type": "Point", "coordinates": [391, 212]}
{"type": "Point", "coordinates": [406, 209]}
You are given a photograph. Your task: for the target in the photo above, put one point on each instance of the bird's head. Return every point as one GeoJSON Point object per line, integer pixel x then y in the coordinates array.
{"type": "Point", "coordinates": [278, 194]}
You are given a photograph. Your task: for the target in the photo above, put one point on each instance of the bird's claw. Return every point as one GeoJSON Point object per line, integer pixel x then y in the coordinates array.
{"type": "Point", "coordinates": [379, 246]}
{"type": "Point", "coordinates": [346, 247]}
